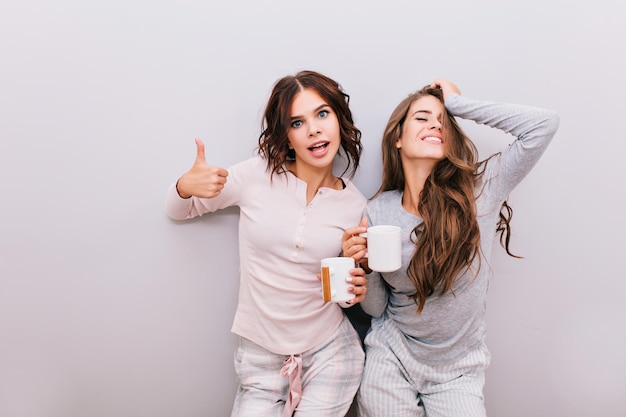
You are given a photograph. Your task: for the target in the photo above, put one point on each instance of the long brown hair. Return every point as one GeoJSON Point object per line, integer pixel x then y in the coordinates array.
{"type": "Point", "coordinates": [273, 142]}
{"type": "Point", "coordinates": [448, 240]}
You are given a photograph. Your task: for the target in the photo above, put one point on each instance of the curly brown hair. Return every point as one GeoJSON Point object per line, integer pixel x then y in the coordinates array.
{"type": "Point", "coordinates": [273, 141]}
{"type": "Point", "coordinates": [448, 240]}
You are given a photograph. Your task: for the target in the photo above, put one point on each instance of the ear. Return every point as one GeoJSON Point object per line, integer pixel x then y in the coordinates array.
{"type": "Point", "coordinates": [399, 144]}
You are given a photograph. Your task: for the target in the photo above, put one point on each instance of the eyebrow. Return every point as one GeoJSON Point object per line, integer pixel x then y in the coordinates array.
{"type": "Point", "coordinates": [318, 108]}
{"type": "Point", "coordinates": [421, 111]}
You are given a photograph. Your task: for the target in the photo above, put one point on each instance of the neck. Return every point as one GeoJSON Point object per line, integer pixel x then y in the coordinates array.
{"type": "Point", "coordinates": [315, 178]}
{"type": "Point", "coordinates": [415, 176]}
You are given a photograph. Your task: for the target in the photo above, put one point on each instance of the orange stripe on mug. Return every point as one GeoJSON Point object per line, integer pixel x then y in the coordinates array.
{"type": "Point", "coordinates": [326, 284]}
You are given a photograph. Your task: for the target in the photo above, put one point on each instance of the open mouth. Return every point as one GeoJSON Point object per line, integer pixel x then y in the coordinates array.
{"type": "Point", "coordinates": [318, 147]}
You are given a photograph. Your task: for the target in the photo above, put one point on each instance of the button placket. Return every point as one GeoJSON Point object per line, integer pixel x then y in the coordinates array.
{"type": "Point", "coordinates": [300, 231]}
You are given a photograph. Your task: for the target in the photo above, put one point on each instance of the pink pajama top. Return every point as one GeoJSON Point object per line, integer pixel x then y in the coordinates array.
{"type": "Point", "coordinates": [281, 243]}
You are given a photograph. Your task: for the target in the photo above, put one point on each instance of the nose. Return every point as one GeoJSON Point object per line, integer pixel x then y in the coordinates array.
{"type": "Point", "coordinates": [314, 130]}
{"type": "Point", "coordinates": [436, 125]}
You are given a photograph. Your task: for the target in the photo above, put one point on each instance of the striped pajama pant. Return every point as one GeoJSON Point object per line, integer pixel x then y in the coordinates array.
{"type": "Point", "coordinates": [396, 385]}
{"type": "Point", "coordinates": [330, 376]}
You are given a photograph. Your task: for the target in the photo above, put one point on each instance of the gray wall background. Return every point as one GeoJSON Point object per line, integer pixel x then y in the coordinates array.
{"type": "Point", "coordinates": [109, 309]}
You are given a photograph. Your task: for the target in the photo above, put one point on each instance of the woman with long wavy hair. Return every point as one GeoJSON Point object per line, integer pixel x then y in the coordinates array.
{"type": "Point", "coordinates": [425, 351]}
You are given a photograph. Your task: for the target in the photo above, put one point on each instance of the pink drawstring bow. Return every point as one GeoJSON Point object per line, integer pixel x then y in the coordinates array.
{"type": "Point", "coordinates": [292, 368]}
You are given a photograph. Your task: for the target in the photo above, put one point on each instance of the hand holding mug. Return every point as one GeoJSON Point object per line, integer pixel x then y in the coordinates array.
{"type": "Point", "coordinates": [341, 281]}
{"type": "Point", "coordinates": [353, 244]}
{"type": "Point", "coordinates": [378, 248]}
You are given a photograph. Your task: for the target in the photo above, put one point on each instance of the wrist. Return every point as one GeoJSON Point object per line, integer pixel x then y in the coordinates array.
{"type": "Point", "coordinates": [181, 195]}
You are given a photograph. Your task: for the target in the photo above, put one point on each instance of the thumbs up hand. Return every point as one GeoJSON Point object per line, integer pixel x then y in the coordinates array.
{"type": "Point", "coordinates": [201, 180]}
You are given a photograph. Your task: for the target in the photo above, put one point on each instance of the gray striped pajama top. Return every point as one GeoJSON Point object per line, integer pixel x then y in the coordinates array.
{"type": "Point", "coordinates": [453, 324]}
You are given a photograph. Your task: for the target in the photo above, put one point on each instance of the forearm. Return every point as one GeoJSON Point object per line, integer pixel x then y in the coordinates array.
{"type": "Point", "coordinates": [179, 208]}
{"type": "Point", "coordinates": [376, 298]}
{"type": "Point", "coordinates": [533, 127]}
{"type": "Point", "coordinates": [522, 121]}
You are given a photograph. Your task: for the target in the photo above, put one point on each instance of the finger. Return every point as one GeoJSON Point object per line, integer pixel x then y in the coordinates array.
{"type": "Point", "coordinates": [200, 158]}
{"type": "Point", "coordinates": [357, 277]}
{"type": "Point", "coordinates": [218, 176]}
{"type": "Point", "coordinates": [358, 298]}
{"type": "Point", "coordinates": [356, 251]}
{"type": "Point", "coordinates": [355, 284]}
{"type": "Point", "coordinates": [348, 233]}
{"type": "Point", "coordinates": [222, 173]}
{"type": "Point", "coordinates": [215, 189]}
{"type": "Point", "coordinates": [353, 232]}
{"type": "Point", "coordinates": [363, 222]}
{"type": "Point", "coordinates": [359, 291]}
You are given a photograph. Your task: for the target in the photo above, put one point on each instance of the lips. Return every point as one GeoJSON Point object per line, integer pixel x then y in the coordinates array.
{"type": "Point", "coordinates": [432, 139]}
{"type": "Point", "coordinates": [318, 147]}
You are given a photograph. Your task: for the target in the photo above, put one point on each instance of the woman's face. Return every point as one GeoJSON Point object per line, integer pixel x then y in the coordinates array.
{"type": "Point", "coordinates": [314, 130]}
{"type": "Point", "coordinates": [422, 137]}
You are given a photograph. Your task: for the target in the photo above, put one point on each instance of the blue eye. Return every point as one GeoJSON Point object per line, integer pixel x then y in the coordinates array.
{"type": "Point", "coordinates": [297, 123]}
{"type": "Point", "coordinates": [323, 113]}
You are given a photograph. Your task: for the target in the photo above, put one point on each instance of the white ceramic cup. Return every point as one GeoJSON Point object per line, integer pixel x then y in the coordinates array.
{"type": "Point", "coordinates": [334, 274]}
{"type": "Point", "coordinates": [384, 248]}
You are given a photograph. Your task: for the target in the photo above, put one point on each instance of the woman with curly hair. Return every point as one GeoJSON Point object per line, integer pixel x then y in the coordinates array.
{"type": "Point", "coordinates": [296, 353]}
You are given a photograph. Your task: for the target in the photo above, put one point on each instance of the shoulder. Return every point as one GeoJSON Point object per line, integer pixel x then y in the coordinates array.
{"type": "Point", "coordinates": [248, 174]}
{"type": "Point", "coordinates": [254, 162]}
{"type": "Point", "coordinates": [348, 199]}
{"type": "Point", "coordinates": [253, 166]}
{"type": "Point", "coordinates": [353, 191]}
{"type": "Point", "coordinates": [384, 205]}
{"type": "Point", "coordinates": [385, 199]}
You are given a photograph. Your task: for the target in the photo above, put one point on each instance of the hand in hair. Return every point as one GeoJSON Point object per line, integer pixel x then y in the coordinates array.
{"type": "Point", "coordinates": [446, 87]}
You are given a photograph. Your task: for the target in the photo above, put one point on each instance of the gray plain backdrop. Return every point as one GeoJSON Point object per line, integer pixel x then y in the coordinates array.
{"type": "Point", "coordinates": [110, 309]}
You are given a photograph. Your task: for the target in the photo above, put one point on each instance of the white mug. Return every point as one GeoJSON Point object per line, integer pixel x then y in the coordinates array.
{"type": "Point", "coordinates": [335, 271]}
{"type": "Point", "coordinates": [384, 248]}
